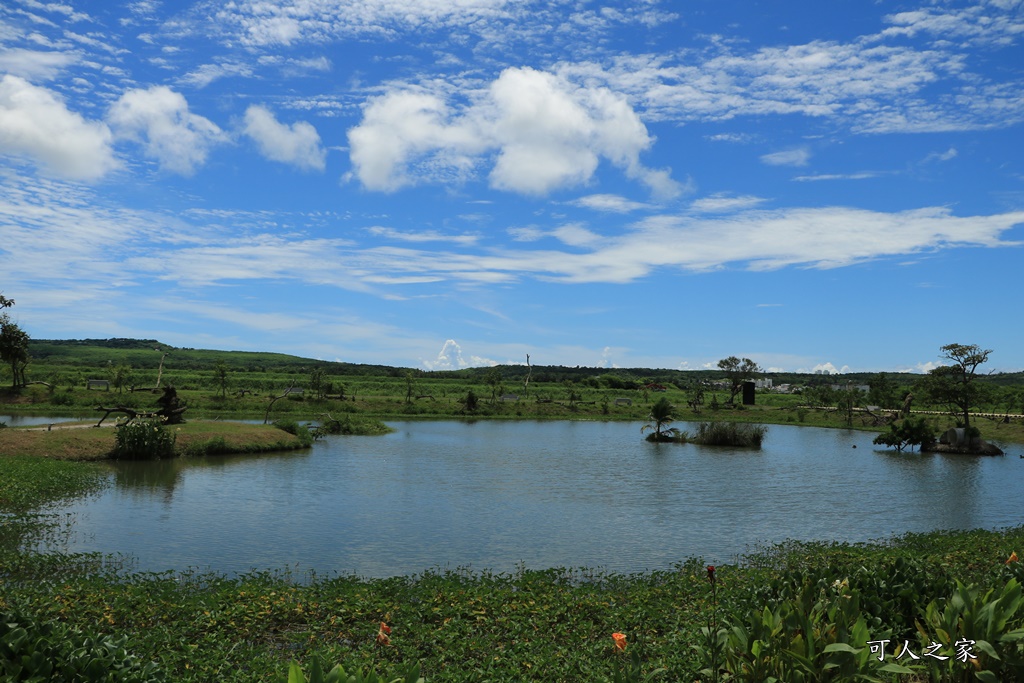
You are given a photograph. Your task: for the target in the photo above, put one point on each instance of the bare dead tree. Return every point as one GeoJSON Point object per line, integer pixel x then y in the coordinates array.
{"type": "Point", "coordinates": [274, 400]}
{"type": "Point", "coordinates": [160, 372]}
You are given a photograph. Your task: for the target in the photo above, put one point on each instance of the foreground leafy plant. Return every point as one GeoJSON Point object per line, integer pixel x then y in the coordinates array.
{"type": "Point", "coordinates": [987, 629]}
{"type": "Point", "coordinates": [807, 638]}
{"type": "Point", "coordinates": [339, 675]}
{"type": "Point", "coordinates": [31, 650]}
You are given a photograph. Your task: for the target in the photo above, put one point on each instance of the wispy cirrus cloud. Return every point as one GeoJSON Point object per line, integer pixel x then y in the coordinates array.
{"type": "Point", "coordinates": [989, 22]}
{"type": "Point", "coordinates": [875, 83]}
{"type": "Point", "coordinates": [863, 175]}
{"type": "Point", "coordinates": [723, 203]}
{"type": "Point", "coordinates": [789, 157]}
{"type": "Point", "coordinates": [36, 65]}
{"type": "Point", "coordinates": [752, 240]}
{"type": "Point", "coordinates": [260, 24]}
{"type": "Point", "coordinates": [206, 74]}
{"type": "Point", "coordinates": [421, 236]}
{"type": "Point", "coordinates": [610, 203]}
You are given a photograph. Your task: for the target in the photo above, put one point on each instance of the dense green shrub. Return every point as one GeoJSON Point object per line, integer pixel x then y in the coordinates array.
{"type": "Point", "coordinates": [62, 398]}
{"type": "Point", "coordinates": [143, 440]}
{"type": "Point", "coordinates": [729, 434]}
{"type": "Point", "coordinates": [294, 427]}
{"type": "Point", "coordinates": [910, 432]}
{"type": "Point", "coordinates": [349, 427]}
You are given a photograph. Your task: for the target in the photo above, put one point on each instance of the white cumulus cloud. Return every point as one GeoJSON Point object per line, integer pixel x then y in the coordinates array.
{"type": "Point", "coordinates": [543, 132]}
{"type": "Point", "coordinates": [450, 358]}
{"type": "Point", "coordinates": [297, 144]}
{"type": "Point", "coordinates": [160, 120]}
{"type": "Point", "coordinates": [35, 122]}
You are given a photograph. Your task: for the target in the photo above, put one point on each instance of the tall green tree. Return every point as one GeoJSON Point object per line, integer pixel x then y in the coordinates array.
{"type": "Point", "coordinates": [409, 386]}
{"type": "Point", "coordinates": [120, 376]}
{"type": "Point", "coordinates": [883, 392]}
{"type": "Point", "coordinates": [318, 382]}
{"type": "Point", "coordinates": [13, 345]}
{"type": "Point", "coordinates": [220, 377]}
{"type": "Point", "coordinates": [955, 384]}
{"type": "Point", "coordinates": [737, 370]}
{"type": "Point", "coordinates": [493, 380]}
{"type": "Point", "coordinates": [847, 400]}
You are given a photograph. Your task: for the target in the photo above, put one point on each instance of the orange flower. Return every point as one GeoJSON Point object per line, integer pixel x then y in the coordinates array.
{"type": "Point", "coordinates": [620, 641]}
{"type": "Point", "coordinates": [382, 634]}
{"type": "Point", "coordinates": [1013, 557]}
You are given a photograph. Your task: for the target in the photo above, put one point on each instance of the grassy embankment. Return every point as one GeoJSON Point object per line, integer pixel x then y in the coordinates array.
{"type": "Point", "coordinates": [552, 625]}
{"type": "Point", "coordinates": [84, 442]}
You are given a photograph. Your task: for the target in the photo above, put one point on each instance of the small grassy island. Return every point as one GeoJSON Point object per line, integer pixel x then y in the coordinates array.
{"type": "Point", "coordinates": [818, 611]}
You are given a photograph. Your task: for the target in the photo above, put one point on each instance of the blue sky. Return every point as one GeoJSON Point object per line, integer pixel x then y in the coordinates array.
{"type": "Point", "coordinates": [439, 184]}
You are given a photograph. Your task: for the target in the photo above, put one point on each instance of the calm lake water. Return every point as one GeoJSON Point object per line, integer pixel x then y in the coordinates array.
{"type": "Point", "coordinates": [495, 495]}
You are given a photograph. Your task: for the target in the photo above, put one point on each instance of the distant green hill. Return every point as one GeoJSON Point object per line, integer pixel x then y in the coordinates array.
{"type": "Point", "coordinates": [145, 354]}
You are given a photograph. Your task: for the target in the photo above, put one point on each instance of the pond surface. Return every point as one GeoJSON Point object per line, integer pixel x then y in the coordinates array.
{"type": "Point", "coordinates": [32, 420]}
{"type": "Point", "coordinates": [497, 495]}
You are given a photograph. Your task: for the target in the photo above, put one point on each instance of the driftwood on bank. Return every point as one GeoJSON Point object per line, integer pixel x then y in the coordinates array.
{"type": "Point", "coordinates": [879, 419]}
{"type": "Point", "coordinates": [130, 412]}
{"type": "Point", "coordinates": [170, 411]}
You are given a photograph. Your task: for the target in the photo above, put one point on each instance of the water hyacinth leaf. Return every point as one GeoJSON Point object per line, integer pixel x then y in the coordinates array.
{"type": "Point", "coordinates": [893, 668]}
{"type": "Point", "coordinates": [295, 674]}
{"type": "Point", "coordinates": [841, 647]}
{"type": "Point", "coordinates": [316, 671]}
{"type": "Point", "coordinates": [987, 648]}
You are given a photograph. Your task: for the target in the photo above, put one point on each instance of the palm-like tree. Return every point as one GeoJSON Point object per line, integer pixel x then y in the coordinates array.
{"type": "Point", "coordinates": [660, 419]}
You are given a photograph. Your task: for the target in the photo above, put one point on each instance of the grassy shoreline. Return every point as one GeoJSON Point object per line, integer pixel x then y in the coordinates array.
{"type": "Point", "coordinates": [772, 410]}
